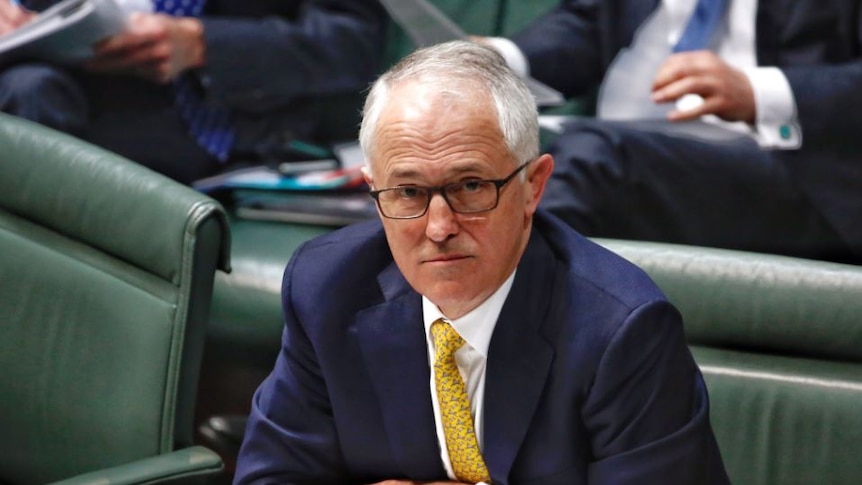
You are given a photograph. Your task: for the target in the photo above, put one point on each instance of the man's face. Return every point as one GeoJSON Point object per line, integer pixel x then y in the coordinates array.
{"type": "Point", "coordinates": [455, 260]}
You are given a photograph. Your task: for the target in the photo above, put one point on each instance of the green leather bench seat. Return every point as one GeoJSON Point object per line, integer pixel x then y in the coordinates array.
{"type": "Point", "coordinates": [779, 341]}
{"type": "Point", "coordinates": [785, 420]}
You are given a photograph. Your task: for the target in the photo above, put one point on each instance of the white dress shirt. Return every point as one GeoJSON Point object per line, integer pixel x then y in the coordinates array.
{"type": "Point", "coordinates": [476, 328]}
{"type": "Point", "coordinates": [776, 125]}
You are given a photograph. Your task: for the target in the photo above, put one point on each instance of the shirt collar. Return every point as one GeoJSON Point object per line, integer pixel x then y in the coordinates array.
{"type": "Point", "coordinates": [477, 326]}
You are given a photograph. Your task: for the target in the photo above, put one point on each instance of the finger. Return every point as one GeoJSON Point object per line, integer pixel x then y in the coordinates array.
{"type": "Point", "coordinates": [708, 106]}
{"type": "Point", "coordinates": [672, 69]}
{"type": "Point", "coordinates": [703, 86]}
{"type": "Point", "coordinates": [119, 44]}
{"type": "Point", "coordinates": [685, 64]}
{"type": "Point", "coordinates": [139, 56]}
{"type": "Point", "coordinates": [142, 30]}
{"type": "Point", "coordinates": [9, 11]}
{"type": "Point", "coordinates": [12, 17]}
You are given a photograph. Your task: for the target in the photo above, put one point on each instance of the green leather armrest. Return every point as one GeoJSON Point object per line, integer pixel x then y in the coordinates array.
{"type": "Point", "coordinates": [245, 318]}
{"type": "Point", "coordinates": [187, 465]}
{"type": "Point", "coordinates": [775, 304]}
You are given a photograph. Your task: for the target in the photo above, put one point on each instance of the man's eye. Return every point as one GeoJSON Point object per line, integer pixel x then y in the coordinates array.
{"type": "Point", "coordinates": [408, 192]}
{"type": "Point", "coordinates": [472, 185]}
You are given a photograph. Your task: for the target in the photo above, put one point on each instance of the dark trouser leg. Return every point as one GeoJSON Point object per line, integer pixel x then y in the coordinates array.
{"type": "Point", "coordinates": [46, 95]}
{"type": "Point", "coordinates": [614, 181]}
{"type": "Point", "coordinates": [137, 119]}
{"type": "Point", "coordinates": [129, 116]}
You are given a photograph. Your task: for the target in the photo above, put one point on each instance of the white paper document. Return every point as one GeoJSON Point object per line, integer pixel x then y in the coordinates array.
{"type": "Point", "coordinates": [64, 33]}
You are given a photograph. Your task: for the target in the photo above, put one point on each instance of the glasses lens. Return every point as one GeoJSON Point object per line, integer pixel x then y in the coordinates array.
{"type": "Point", "coordinates": [403, 202]}
{"type": "Point", "coordinates": [472, 196]}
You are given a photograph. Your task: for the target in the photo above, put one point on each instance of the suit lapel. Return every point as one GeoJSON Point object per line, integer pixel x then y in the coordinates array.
{"type": "Point", "coordinates": [519, 360]}
{"type": "Point", "coordinates": [392, 338]}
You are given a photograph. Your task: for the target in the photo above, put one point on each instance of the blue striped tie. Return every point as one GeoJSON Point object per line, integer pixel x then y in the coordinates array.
{"type": "Point", "coordinates": [702, 25]}
{"type": "Point", "coordinates": [209, 124]}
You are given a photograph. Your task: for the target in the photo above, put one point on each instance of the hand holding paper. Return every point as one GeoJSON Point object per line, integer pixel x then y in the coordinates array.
{"type": "Point", "coordinates": [64, 33]}
{"type": "Point", "coordinates": [153, 46]}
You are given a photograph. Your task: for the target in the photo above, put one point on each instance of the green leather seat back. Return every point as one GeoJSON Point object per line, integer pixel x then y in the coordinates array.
{"type": "Point", "coordinates": [246, 321]}
{"type": "Point", "coordinates": [759, 302]}
{"type": "Point", "coordinates": [516, 14]}
{"type": "Point", "coordinates": [779, 341]}
{"type": "Point", "coordinates": [105, 277]}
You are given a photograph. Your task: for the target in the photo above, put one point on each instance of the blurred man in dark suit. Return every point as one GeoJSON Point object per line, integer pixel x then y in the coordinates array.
{"type": "Point", "coordinates": [781, 78]}
{"type": "Point", "coordinates": [277, 71]}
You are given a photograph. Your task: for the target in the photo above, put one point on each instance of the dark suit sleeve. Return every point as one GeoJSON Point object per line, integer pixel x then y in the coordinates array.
{"type": "Point", "coordinates": [331, 47]}
{"type": "Point", "coordinates": [827, 101]}
{"type": "Point", "coordinates": [290, 437]}
{"type": "Point", "coordinates": [562, 47]}
{"type": "Point", "coordinates": [820, 52]}
{"type": "Point", "coordinates": [647, 412]}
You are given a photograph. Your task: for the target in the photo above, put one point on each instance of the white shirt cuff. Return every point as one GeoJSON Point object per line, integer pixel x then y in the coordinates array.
{"type": "Point", "coordinates": [776, 123]}
{"type": "Point", "coordinates": [511, 53]}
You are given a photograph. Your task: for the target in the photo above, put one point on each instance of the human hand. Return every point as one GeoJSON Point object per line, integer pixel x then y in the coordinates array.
{"type": "Point", "coordinates": [157, 47]}
{"type": "Point", "coordinates": [725, 90]}
{"type": "Point", "coordinates": [13, 16]}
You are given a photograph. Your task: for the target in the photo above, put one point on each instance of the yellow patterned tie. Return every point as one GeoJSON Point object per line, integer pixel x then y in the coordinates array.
{"type": "Point", "coordinates": [467, 462]}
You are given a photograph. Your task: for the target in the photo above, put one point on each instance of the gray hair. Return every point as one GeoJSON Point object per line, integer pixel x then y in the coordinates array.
{"type": "Point", "coordinates": [455, 67]}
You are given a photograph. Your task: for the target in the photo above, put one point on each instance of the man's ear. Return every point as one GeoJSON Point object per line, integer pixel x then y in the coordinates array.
{"type": "Point", "coordinates": [538, 174]}
{"type": "Point", "coordinates": [366, 174]}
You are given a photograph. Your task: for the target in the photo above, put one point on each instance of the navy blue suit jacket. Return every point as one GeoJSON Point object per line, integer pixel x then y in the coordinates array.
{"type": "Point", "coordinates": [816, 43]}
{"type": "Point", "coordinates": [589, 379]}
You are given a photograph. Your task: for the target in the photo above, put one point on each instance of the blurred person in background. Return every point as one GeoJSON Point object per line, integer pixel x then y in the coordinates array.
{"type": "Point", "coordinates": [757, 138]}
{"type": "Point", "coordinates": [260, 74]}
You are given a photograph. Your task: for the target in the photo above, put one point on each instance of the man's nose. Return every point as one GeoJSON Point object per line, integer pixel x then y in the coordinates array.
{"type": "Point", "coordinates": [442, 222]}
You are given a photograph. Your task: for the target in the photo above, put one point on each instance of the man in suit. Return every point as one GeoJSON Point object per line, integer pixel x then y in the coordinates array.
{"type": "Point", "coordinates": [283, 70]}
{"type": "Point", "coordinates": [571, 367]}
{"type": "Point", "coordinates": [784, 75]}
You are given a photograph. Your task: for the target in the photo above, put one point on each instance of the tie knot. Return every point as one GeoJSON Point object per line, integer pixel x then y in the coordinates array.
{"type": "Point", "coordinates": [446, 339]}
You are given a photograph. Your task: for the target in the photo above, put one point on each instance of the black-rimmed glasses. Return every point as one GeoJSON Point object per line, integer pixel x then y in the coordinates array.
{"type": "Point", "coordinates": [467, 197]}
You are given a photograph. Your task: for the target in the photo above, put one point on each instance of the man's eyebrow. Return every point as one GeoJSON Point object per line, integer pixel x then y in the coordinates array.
{"type": "Point", "coordinates": [410, 172]}
{"type": "Point", "coordinates": [403, 173]}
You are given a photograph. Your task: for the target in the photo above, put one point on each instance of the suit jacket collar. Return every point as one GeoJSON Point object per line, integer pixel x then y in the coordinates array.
{"type": "Point", "coordinates": [392, 339]}
{"type": "Point", "coordinates": [519, 359]}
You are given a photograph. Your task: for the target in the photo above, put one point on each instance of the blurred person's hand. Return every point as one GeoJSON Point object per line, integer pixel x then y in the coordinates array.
{"type": "Point", "coordinates": [156, 47]}
{"type": "Point", "coordinates": [13, 16]}
{"type": "Point", "coordinates": [726, 91]}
